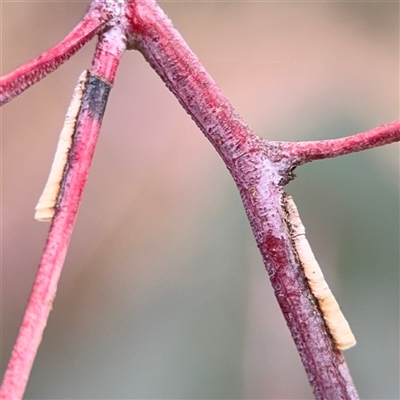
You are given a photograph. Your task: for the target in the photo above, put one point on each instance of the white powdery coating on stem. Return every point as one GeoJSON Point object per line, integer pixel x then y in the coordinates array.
{"type": "Point", "coordinates": [116, 7]}
{"type": "Point", "coordinates": [337, 324]}
{"type": "Point", "coordinates": [46, 206]}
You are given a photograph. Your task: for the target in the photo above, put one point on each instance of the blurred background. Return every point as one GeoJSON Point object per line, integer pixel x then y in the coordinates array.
{"type": "Point", "coordinates": [164, 294]}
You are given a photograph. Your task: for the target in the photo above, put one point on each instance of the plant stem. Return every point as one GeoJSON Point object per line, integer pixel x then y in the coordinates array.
{"type": "Point", "coordinates": [22, 78]}
{"type": "Point", "coordinates": [304, 152]}
{"type": "Point", "coordinates": [260, 169]}
{"type": "Point", "coordinates": [79, 160]}
{"type": "Point", "coordinates": [164, 48]}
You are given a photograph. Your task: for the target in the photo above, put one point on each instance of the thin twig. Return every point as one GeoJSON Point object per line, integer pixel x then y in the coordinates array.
{"type": "Point", "coordinates": [304, 152]}
{"type": "Point", "coordinates": [22, 78]}
{"type": "Point", "coordinates": [79, 160]}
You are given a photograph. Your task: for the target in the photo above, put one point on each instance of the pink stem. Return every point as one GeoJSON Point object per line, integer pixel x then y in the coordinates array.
{"type": "Point", "coordinates": [108, 54]}
{"type": "Point", "coordinates": [166, 51]}
{"type": "Point", "coordinates": [260, 169]}
{"type": "Point", "coordinates": [22, 78]}
{"type": "Point", "coordinates": [303, 152]}
{"type": "Point", "coordinates": [80, 157]}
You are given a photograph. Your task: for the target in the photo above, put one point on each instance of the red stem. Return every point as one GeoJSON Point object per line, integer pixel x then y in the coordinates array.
{"type": "Point", "coordinates": [303, 152]}
{"type": "Point", "coordinates": [22, 78]}
{"type": "Point", "coordinates": [259, 168]}
{"type": "Point", "coordinates": [108, 54]}
{"type": "Point", "coordinates": [80, 157]}
{"type": "Point", "coordinates": [166, 51]}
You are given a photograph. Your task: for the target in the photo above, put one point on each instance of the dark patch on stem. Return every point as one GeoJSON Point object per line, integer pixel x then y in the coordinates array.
{"type": "Point", "coordinates": [93, 106]}
{"type": "Point", "coordinates": [95, 98]}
